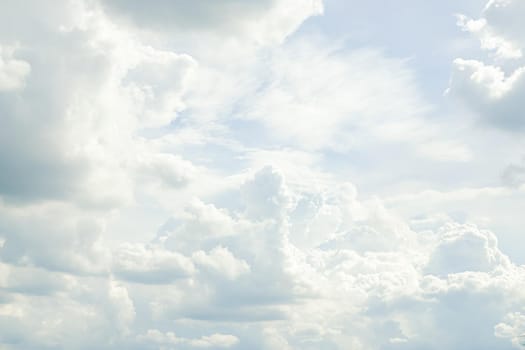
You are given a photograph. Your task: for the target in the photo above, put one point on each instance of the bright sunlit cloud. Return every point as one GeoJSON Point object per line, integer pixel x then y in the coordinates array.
{"type": "Point", "coordinates": [267, 174]}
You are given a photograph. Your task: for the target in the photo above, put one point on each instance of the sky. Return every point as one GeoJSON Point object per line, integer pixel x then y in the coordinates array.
{"type": "Point", "coordinates": [262, 174]}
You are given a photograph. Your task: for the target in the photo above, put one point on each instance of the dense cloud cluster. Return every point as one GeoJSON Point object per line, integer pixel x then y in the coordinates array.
{"type": "Point", "coordinates": [263, 274]}
{"type": "Point", "coordinates": [117, 232]}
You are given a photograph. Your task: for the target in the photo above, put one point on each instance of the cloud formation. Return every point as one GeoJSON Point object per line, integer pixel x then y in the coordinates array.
{"type": "Point", "coordinates": [494, 89]}
{"type": "Point", "coordinates": [179, 176]}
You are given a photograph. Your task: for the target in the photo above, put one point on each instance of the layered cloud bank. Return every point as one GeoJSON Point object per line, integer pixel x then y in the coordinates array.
{"type": "Point", "coordinates": [166, 183]}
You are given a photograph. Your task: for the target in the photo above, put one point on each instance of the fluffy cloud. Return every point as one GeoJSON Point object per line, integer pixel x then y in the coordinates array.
{"type": "Point", "coordinates": [109, 129]}
{"type": "Point", "coordinates": [513, 327]}
{"type": "Point", "coordinates": [494, 89]}
{"type": "Point", "coordinates": [150, 264]}
{"type": "Point", "coordinates": [366, 274]}
{"type": "Point", "coordinates": [465, 249]}
{"type": "Point", "coordinates": [88, 313]}
{"type": "Point", "coordinates": [490, 92]}
{"type": "Point", "coordinates": [70, 126]}
{"type": "Point", "coordinates": [222, 261]}
{"type": "Point", "coordinates": [503, 18]}
{"type": "Point", "coordinates": [404, 286]}
{"type": "Point", "coordinates": [32, 236]}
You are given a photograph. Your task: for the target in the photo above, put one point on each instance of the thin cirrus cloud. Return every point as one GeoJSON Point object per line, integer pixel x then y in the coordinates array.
{"type": "Point", "coordinates": [179, 175]}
